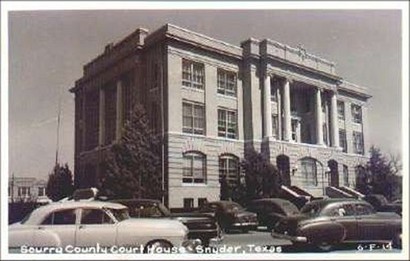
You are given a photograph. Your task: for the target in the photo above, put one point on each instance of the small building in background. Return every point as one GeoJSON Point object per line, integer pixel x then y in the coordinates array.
{"type": "Point", "coordinates": [27, 189]}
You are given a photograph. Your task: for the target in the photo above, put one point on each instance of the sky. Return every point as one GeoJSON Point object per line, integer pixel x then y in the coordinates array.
{"type": "Point", "coordinates": [47, 51]}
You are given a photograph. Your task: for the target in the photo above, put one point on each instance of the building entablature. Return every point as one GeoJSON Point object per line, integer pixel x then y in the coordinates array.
{"type": "Point", "coordinates": [297, 57]}
{"type": "Point", "coordinates": [170, 31]}
{"type": "Point", "coordinates": [354, 90]}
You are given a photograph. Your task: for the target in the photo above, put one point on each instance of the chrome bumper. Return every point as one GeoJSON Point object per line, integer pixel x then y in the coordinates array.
{"type": "Point", "coordinates": [298, 239]}
{"type": "Point", "coordinates": [244, 224]}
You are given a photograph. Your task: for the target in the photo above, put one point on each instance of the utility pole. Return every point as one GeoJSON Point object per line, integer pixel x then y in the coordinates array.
{"type": "Point", "coordinates": [58, 126]}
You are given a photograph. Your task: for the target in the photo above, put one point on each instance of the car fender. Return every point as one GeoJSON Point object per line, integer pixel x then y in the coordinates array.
{"type": "Point", "coordinates": [37, 238]}
{"type": "Point", "coordinates": [323, 232]}
{"type": "Point", "coordinates": [48, 238]}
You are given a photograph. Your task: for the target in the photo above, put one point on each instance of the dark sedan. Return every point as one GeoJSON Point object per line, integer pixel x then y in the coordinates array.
{"type": "Point", "coordinates": [325, 223]}
{"type": "Point", "coordinates": [200, 226]}
{"type": "Point", "coordinates": [272, 210]}
{"type": "Point", "coordinates": [381, 204]}
{"type": "Point", "coordinates": [230, 215]}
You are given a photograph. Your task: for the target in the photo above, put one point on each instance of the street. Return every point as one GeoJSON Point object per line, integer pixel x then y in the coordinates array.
{"type": "Point", "coordinates": [261, 242]}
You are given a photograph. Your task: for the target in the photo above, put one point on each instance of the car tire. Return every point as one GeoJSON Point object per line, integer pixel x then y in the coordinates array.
{"type": "Point", "coordinates": [152, 245]}
{"type": "Point", "coordinates": [245, 230]}
{"type": "Point", "coordinates": [396, 242]}
{"type": "Point", "coordinates": [324, 246]}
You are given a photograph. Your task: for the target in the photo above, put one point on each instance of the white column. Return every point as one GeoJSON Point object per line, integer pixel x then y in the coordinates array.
{"type": "Point", "coordinates": [319, 120]}
{"type": "Point", "coordinates": [287, 127]}
{"type": "Point", "coordinates": [119, 111]}
{"type": "Point", "coordinates": [101, 118]}
{"type": "Point", "coordinates": [267, 128]}
{"type": "Point", "coordinates": [279, 109]}
{"type": "Point", "coordinates": [334, 121]}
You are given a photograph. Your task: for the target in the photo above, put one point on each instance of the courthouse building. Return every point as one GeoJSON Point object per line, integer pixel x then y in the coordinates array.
{"type": "Point", "coordinates": [213, 102]}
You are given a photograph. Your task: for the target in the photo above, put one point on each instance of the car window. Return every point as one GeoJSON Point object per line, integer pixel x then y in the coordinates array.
{"type": "Point", "coordinates": [120, 214]}
{"type": "Point", "coordinates": [362, 209]}
{"type": "Point", "coordinates": [310, 209]}
{"type": "Point", "coordinates": [95, 216]}
{"type": "Point", "coordinates": [62, 217]}
{"type": "Point", "coordinates": [148, 211]}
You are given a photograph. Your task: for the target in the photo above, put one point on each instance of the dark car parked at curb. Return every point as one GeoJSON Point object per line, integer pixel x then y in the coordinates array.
{"type": "Point", "coordinates": [328, 222]}
{"type": "Point", "coordinates": [200, 226]}
{"type": "Point", "coordinates": [230, 215]}
{"type": "Point", "coordinates": [272, 210]}
{"type": "Point", "coordinates": [381, 204]}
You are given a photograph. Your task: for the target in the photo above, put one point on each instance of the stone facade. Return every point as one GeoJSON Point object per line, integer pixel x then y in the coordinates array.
{"type": "Point", "coordinates": [213, 101]}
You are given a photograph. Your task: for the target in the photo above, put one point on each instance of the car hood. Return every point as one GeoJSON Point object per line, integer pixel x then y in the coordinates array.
{"type": "Point", "coordinates": [153, 223]}
{"type": "Point", "coordinates": [245, 214]}
{"type": "Point", "coordinates": [388, 215]}
{"type": "Point", "coordinates": [193, 219]}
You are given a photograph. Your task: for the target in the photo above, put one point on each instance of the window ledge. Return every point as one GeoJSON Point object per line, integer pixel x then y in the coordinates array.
{"type": "Point", "coordinates": [193, 89]}
{"type": "Point", "coordinates": [223, 96]}
{"type": "Point", "coordinates": [194, 184]}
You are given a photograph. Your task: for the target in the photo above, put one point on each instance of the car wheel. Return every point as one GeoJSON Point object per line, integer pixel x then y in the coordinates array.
{"type": "Point", "coordinates": [324, 246]}
{"type": "Point", "coordinates": [245, 230]}
{"type": "Point", "coordinates": [156, 245]}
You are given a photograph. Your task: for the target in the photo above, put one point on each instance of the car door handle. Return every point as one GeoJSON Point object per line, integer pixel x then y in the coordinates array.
{"type": "Point", "coordinates": [41, 228]}
{"type": "Point", "coordinates": [81, 227]}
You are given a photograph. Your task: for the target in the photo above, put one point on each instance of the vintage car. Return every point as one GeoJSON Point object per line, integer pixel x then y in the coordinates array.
{"type": "Point", "coordinates": [230, 215]}
{"type": "Point", "coordinates": [381, 204]}
{"type": "Point", "coordinates": [272, 210]}
{"type": "Point", "coordinates": [325, 223]}
{"type": "Point", "coordinates": [199, 226]}
{"type": "Point", "coordinates": [88, 223]}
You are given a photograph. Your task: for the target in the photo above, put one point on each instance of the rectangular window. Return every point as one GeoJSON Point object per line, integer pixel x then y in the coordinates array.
{"type": "Point", "coordinates": [193, 120]}
{"type": "Point", "coordinates": [193, 74]}
{"type": "Point", "coordinates": [227, 124]}
{"type": "Point", "coordinates": [23, 191]}
{"type": "Point", "coordinates": [325, 139]}
{"type": "Point", "coordinates": [41, 191]}
{"type": "Point", "coordinates": [358, 142]}
{"type": "Point", "coordinates": [110, 113]}
{"type": "Point", "coordinates": [341, 110]}
{"type": "Point", "coordinates": [188, 202]}
{"type": "Point", "coordinates": [342, 139]}
{"type": "Point", "coordinates": [356, 113]}
{"type": "Point", "coordinates": [273, 94]}
{"type": "Point", "coordinates": [92, 116]}
{"type": "Point", "coordinates": [275, 126]}
{"type": "Point", "coordinates": [226, 83]}
{"type": "Point", "coordinates": [294, 126]}
{"type": "Point", "coordinates": [201, 202]}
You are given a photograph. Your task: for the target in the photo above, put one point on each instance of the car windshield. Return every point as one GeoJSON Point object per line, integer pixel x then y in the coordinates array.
{"type": "Point", "coordinates": [233, 206]}
{"type": "Point", "coordinates": [120, 214]}
{"type": "Point", "coordinates": [382, 199]}
{"type": "Point", "coordinates": [289, 208]}
{"type": "Point", "coordinates": [164, 210]}
{"type": "Point", "coordinates": [310, 209]}
{"type": "Point", "coordinates": [27, 217]}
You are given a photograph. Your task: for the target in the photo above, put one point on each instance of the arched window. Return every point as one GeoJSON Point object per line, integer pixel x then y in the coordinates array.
{"type": "Point", "coordinates": [345, 175]}
{"type": "Point", "coordinates": [229, 168]}
{"type": "Point", "coordinates": [309, 171]}
{"type": "Point", "coordinates": [194, 170]}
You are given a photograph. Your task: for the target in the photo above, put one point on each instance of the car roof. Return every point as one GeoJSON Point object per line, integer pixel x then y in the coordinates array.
{"type": "Point", "coordinates": [327, 201]}
{"type": "Point", "coordinates": [223, 202]}
{"type": "Point", "coordinates": [39, 214]}
{"type": "Point", "coordinates": [279, 201]}
{"type": "Point", "coordinates": [135, 200]}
